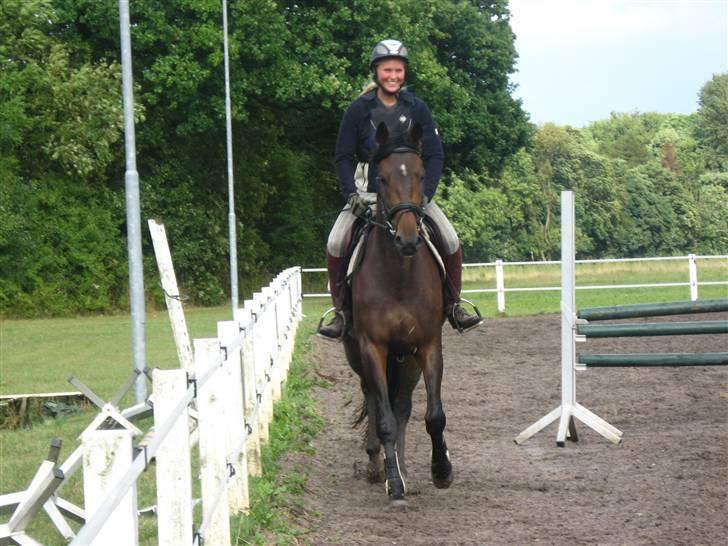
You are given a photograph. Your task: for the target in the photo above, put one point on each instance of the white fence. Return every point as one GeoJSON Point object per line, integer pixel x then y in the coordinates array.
{"type": "Point", "coordinates": [221, 398]}
{"type": "Point", "coordinates": [501, 289]}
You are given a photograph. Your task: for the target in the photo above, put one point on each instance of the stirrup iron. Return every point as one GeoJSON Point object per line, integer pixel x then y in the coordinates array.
{"type": "Point", "coordinates": [456, 324]}
{"type": "Point", "coordinates": [335, 311]}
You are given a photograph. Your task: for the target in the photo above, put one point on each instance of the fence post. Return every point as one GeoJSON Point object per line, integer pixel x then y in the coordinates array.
{"type": "Point", "coordinates": [283, 316]}
{"type": "Point", "coordinates": [173, 471]}
{"type": "Point", "coordinates": [213, 427]}
{"type": "Point", "coordinates": [262, 366]}
{"type": "Point", "coordinates": [500, 286]}
{"type": "Point", "coordinates": [227, 332]}
{"type": "Point", "coordinates": [250, 399]}
{"type": "Point", "coordinates": [273, 341]}
{"type": "Point", "coordinates": [171, 293]}
{"type": "Point", "coordinates": [106, 457]}
{"type": "Point", "coordinates": [693, 273]}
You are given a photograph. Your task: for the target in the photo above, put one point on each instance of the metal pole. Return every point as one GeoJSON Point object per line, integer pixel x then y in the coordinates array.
{"type": "Point", "coordinates": [568, 299]}
{"type": "Point", "coordinates": [231, 185]}
{"type": "Point", "coordinates": [133, 214]}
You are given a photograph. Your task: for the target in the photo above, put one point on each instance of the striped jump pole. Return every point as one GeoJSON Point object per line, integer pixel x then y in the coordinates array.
{"type": "Point", "coordinates": [651, 359]}
{"type": "Point", "coordinates": [569, 408]}
{"type": "Point", "coordinates": [653, 309]}
{"type": "Point", "coordinates": [586, 331]}
{"type": "Point", "coordinates": [653, 329]}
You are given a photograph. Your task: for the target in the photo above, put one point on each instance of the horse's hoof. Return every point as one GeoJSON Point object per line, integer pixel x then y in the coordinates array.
{"type": "Point", "coordinates": [397, 505]}
{"type": "Point", "coordinates": [442, 482]}
{"type": "Point", "coordinates": [375, 472]}
{"type": "Point", "coordinates": [442, 477]}
{"type": "Point", "coordinates": [375, 475]}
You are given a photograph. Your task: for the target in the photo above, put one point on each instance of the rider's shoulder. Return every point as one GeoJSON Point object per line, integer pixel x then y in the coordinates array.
{"type": "Point", "coordinates": [408, 97]}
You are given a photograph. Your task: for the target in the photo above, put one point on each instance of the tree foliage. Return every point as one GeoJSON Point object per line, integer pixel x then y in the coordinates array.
{"type": "Point", "coordinates": [648, 183]}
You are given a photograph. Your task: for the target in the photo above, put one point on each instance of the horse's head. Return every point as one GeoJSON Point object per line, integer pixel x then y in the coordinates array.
{"type": "Point", "coordinates": [401, 188]}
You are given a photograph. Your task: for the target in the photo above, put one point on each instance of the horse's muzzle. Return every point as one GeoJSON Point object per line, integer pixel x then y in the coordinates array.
{"type": "Point", "coordinates": [407, 246]}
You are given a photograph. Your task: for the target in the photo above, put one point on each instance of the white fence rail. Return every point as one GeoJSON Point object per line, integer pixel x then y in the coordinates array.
{"type": "Point", "coordinates": [237, 377]}
{"type": "Point", "coordinates": [501, 289]}
{"type": "Point", "coordinates": [221, 398]}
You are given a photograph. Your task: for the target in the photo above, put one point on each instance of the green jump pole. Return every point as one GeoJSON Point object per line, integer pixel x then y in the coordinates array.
{"type": "Point", "coordinates": [653, 329]}
{"type": "Point", "coordinates": [652, 359]}
{"type": "Point", "coordinates": [654, 309]}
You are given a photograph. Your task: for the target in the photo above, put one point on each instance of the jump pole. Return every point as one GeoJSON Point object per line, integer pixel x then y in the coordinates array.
{"type": "Point", "coordinates": [569, 408]}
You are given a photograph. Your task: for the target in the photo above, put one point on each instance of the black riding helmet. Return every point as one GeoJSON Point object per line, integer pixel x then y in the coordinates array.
{"type": "Point", "coordinates": [387, 49]}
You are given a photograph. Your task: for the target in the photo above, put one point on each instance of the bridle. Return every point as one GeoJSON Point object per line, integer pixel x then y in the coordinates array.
{"type": "Point", "coordinates": [388, 214]}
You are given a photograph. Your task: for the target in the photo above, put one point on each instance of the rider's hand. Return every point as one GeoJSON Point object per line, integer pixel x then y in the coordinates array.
{"type": "Point", "coordinates": [358, 205]}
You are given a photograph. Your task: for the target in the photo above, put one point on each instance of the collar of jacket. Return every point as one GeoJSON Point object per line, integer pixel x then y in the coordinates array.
{"type": "Point", "coordinates": [404, 96]}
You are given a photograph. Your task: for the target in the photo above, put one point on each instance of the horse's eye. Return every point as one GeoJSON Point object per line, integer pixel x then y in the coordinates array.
{"type": "Point", "coordinates": [381, 180]}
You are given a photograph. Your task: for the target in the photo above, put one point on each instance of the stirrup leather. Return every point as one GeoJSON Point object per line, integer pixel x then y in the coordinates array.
{"type": "Point", "coordinates": [456, 324]}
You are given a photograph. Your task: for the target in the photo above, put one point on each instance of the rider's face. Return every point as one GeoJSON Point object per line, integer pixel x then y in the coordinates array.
{"type": "Point", "coordinates": [390, 75]}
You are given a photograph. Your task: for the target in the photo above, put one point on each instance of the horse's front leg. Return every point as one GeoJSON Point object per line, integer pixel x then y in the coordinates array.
{"type": "Point", "coordinates": [409, 375]}
{"type": "Point", "coordinates": [374, 360]}
{"type": "Point", "coordinates": [431, 363]}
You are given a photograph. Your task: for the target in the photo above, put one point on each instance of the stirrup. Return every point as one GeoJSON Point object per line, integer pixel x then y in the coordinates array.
{"type": "Point", "coordinates": [335, 311]}
{"type": "Point", "coordinates": [454, 322]}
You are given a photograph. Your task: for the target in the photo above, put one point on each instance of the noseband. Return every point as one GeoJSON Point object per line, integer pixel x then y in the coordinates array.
{"type": "Point", "coordinates": [388, 214]}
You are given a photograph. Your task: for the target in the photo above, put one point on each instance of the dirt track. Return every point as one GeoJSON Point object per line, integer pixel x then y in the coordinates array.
{"type": "Point", "coordinates": [667, 483]}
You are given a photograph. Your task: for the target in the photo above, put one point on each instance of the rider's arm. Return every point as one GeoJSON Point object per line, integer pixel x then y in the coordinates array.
{"type": "Point", "coordinates": [432, 153]}
{"type": "Point", "coordinates": [346, 147]}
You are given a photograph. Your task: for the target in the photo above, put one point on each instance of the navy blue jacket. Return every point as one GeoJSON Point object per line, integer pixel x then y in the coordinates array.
{"type": "Point", "coordinates": [355, 141]}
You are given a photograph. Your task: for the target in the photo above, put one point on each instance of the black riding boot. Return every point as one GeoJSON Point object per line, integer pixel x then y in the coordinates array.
{"type": "Point", "coordinates": [335, 328]}
{"type": "Point", "coordinates": [459, 319]}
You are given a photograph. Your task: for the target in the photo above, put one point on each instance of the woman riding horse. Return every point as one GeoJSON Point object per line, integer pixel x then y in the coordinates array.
{"type": "Point", "coordinates": [384, 100]}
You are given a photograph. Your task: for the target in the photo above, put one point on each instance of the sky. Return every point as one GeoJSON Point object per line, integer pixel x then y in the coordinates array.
{"type": "Point", "coordinates": [580, 60]}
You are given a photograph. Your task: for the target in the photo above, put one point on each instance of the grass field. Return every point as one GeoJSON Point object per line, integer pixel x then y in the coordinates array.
{"type": "Point", "coordinates": [39, 355]}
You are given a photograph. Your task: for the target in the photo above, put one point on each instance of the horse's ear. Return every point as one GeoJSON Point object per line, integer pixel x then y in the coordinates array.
{"type": "Point", "coordinates": [382, 134]}
{"type": "Point", "coordinates": [416, 133]}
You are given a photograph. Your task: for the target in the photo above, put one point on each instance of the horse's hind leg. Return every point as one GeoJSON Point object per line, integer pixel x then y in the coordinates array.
{"type": "Point", "coordinates": [375, 467]}
{"type": "Point", "coordinates": [431, 362]}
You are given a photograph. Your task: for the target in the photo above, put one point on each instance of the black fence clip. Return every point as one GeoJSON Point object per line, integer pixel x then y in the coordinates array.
{"type": "Point", "coordinates": [192, 381]}
{"type": "Point", "coordinates": [177, 297]}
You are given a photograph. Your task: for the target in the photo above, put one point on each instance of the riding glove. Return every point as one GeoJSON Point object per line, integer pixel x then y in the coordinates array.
{"type": "Point", "coordinates": [358, 205]}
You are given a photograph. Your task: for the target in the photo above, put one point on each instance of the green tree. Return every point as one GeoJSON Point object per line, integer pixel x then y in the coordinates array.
{"type": "Point", "coordinates": [713, 117]}
{"type": "Point", "coordinates": [60, 121]}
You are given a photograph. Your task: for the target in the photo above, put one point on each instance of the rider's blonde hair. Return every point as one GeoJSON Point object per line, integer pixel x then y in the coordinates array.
{"type": "Point", "coordinates": [371, 86]}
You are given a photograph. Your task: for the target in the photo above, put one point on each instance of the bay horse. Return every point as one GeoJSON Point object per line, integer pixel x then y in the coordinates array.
{"type": "Point", "coordinates": [394, 335]}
